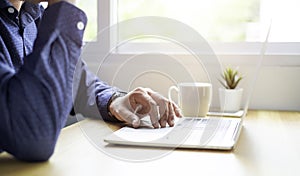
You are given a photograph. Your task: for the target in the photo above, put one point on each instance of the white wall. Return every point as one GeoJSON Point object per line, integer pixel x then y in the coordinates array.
{"type": "Point", "coordinates": [277, 86]}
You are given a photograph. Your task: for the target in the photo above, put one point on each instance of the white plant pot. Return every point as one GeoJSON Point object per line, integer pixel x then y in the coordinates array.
{"type": "Point", "coordinates": [230, 99]}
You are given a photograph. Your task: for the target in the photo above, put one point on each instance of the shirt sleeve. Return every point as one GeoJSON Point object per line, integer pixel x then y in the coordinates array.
{"type": "Point", "coordinates": [36, 100]}
{"type": "Point", "coordinates": [92, 94]}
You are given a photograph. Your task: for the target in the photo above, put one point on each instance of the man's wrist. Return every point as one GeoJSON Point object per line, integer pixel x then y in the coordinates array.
{"type": "Point", "coordinates": [115, 95]}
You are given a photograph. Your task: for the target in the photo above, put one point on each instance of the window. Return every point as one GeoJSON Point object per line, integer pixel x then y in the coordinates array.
{"type": "Point", "coordinates": [90, 8]}
{"type": "Point", "coordinates": [216, 20]}
{"type": "Point", "coordinates": [223, 20]}
{"type": "Point", "coordinates": [231, 26]}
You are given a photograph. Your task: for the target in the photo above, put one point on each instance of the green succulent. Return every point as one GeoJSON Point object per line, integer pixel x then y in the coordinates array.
{"type": "Point", "coordinates": [231, 78]}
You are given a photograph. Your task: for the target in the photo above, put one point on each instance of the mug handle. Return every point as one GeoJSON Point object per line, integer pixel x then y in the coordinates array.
{"type": "Point", "coordinates": [170, 92]}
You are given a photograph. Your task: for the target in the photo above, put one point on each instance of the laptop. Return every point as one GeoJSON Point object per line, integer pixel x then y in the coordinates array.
{"type": "Point", "coordinates": [219, 130]}
{"type": "Point", "coordinates": [188, 132]}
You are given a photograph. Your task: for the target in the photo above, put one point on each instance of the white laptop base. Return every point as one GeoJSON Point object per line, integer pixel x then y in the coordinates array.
{"type": "Point", "coordinates": [196, 133]}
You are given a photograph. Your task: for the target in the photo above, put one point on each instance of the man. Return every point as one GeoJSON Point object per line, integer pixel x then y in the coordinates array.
{"type": "Point", "coordinates": [39, 51]}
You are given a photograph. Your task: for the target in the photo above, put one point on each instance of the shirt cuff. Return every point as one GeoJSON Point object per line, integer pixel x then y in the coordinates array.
{"type": "Point", "coordinates": [104, 102]}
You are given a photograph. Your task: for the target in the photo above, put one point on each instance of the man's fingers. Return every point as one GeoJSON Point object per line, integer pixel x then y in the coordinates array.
{"type": "Point", "coordinates": [140, 98]}
{"type": "Point", "coordinates": [154, 116]}
{"type": "Point", "coordinates": [133, 119]}
{"type": "Point", "coordinates": [167, 109]}
{"type": "Point", "coordinates": [141, 102]}
{"type": "Point", "coordinates": [161, 101]}
{"type": "Point", "coordinates": [128, 117]}
{"type": "Point", "coordinates": [171, 114]}
{"type": "Point", "coordinates": [177, 110]}
{"type": "Point", "coordinates": [164, 113]}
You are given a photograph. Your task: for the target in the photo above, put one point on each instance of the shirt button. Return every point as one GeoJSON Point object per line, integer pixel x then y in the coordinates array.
{"type": "Point", "coordinates": [11, 10]}
{"type": "Point", "coordinates": [80, 25]}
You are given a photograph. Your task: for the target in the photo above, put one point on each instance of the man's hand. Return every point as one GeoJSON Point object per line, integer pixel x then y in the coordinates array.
{"type": "Point", "coordinates": [141, 102]}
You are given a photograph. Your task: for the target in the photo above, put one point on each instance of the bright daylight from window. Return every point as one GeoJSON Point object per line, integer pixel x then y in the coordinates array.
{"type": "Point", "coordinates": [216, 20]}
{"type": "Point", "coordinates": [223, 20]}
{"type": "Point", "coordinates": [90, 8]}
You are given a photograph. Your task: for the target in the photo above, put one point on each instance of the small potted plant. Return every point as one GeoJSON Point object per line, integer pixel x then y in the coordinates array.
{"type": "Point", "coordinates": [230, 95]}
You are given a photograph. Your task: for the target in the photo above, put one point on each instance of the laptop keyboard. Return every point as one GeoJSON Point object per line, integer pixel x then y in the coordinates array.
{"type": "Point", "coordinates": [207, 123]}
{"type": "Point", "coordinates": [209, 127]}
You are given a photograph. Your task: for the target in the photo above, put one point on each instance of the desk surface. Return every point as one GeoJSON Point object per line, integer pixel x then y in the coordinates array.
{"type": "Point", "coordinates": [269, 145]}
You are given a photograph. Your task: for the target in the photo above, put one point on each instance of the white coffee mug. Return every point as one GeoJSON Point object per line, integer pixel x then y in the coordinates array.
{"type": "Point", "coordinates": [194, 98]}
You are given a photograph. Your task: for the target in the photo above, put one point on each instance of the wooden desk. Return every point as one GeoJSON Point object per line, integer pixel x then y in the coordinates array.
{"type": "Point", "coordinates": [269, 145]}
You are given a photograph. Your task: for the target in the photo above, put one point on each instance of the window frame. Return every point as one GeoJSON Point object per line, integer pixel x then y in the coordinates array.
{"type": "Point", "coordinates": [277, 54]}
